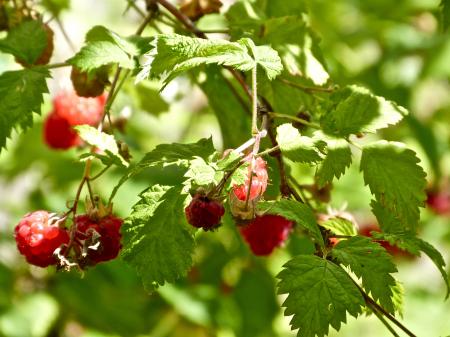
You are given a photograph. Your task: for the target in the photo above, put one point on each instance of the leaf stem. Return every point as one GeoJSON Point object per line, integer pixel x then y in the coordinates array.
{"type": "Point", "coordinates": [57, 65]}
{"type": "Point", "coordinates": [385, 323]}
{"type": "Point", "coordinates": [295, 119]}
{"type": "Point", "coordinates": [100, 173]}
{"type": "Point", "coordinates": [269, 151]}
{"type": "Point", "coordinates": [375, 306]}
{"type": "Point", "coordinates": [304, 88]}
{"type": "Point", "coordinates": [254, 102]}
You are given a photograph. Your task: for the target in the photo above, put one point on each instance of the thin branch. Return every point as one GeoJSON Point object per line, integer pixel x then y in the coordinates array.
{"type": "Point", "coordinates": [65, 35]}
{"type": "Point", "coordinates": [304, 88]}
{"type": "Point", "coordinates": [295, 119]}
{"type": "Point", "coordinates": [254, 102]}
{"type": "Point", "coordinates": [385, 323]}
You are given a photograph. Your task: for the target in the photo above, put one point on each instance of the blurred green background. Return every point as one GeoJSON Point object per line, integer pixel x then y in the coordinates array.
{"type": "Point", "coordinates": [397, 49]}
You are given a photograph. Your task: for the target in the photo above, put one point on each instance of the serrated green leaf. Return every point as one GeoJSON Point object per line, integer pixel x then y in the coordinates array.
{"type": "Point", "coordinates": [296, 147]}
{"type": "Point", "coordinates": [358, 110]}
{"type": "Point", "coordinates": [387, 220]}
{"type": "Point", "coordinates": [173, 54]}
{"type": "Point", "coordinates": [156, 238]}
{"type": "Point", "coordinates": [27, 41]}
{"type": "Point", "coordinates": [229, 161]}
{"type": "Point", "coordinates": [168, 154]}
{"type": "Point", "coordinates": [395, 178]}
{"type": "Point", "coordinates": [201, 173]}
{"type": "Point", "coordinates": [106, 47]}
{"type": "Point", "coordinates": [15, 111]}
{"type": "Point", "coordinates": [56, 6]}
{"type": "Point", "coordinates": [229, 110]}
{"type": "Point", "coordinates": [147, 97]}
{"type": "Point", "coordinates": [103, 142]}
{"type": "Point", "coordinates": [294, 211]}
{"type": "Point", "coordinates": [289, 35]}
{"type": "Point", "coordinates": [338, 157]}
{"type": "Point", "coordinates": [370, 262]}
{"type": "Point", "coordinates": [415, 245]}
{"type": "Point", "coordinates": [340, 226]}
{"type": "Point", "coordinates": [320, 294]}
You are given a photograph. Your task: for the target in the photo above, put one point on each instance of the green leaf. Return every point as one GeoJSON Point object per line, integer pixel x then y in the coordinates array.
{"type": "Point", "coordinates": [201, 173]}
{"type": "Point", "coordinates": [147, 97]}
{"type": "Point", "coordinates": [320, 294]}
{"type": "Point", "coordinates": [296, 147]}
{"type": "Point", "coordinates": [338, 157]}
{"type": "Point", "coordinates": [358, 110]}
{"type": "Point", "coordinates": [15, 111]}
{"type": "Point", "coordinates": [445, 8]}
{"type": "Point", "coordinates": [106, 47]}
{"type": "Point", "coordinates": [156, 239]}
{"type": "Point", "coordinates": [370, 262]}
{"type": "Point", "coordinates": [169, 154]}
{"type": "Point", "coordinates": [174, 54]}
{"type": "Point", "coordinates": [388, 221]}
{"type": "Point", "coordinates": [339, 226]}
{"type": "Point", "coordinates": [103, 142]}
{"type": "Point", "coordinates": [414, 245]}
{"type": "Point", "coordinates": [231, 113]}
{"type": "Point", "coordinates": [27, 41]}
{"type": "Point", "coordinates": [294, 211]}
{"type": "Point", "coordinates": [395, 178]}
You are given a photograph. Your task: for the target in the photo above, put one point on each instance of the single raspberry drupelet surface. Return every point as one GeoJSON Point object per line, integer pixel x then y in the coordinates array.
{"type": "Point", "coordinates": [101, 235]}
{"type": "Point", "coordinates": [203, 212]}
{"type": "Point", "coordinates": [266, 232]}
{"type": "Point", "coordinates": [59, 134]}
{"type": "Point", "coordinates": [79, 110]}
{"type": "Point", "coordinates": [37, 237]}
{"type": "Point", "coordinates": [259, 182]}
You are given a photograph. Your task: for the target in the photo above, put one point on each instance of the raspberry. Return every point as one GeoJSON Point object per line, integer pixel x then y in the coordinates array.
{"type": "Point", "coordinates": [58, 133]}
{"type": "Point", "coordinates": [100, 236]}
{"type": "Point", "coordinates": [38, 236]}
{"type": "Point", "coordinates": [79, 110]}
{"type": "Point", "coordinates": [259, 182]}
{"type": "Point", "coordinates": [204, 213]}
{"type": "Point", "coordinates": [88, 84]}
{"type": "Point", "coordinates": [439, 202]}
{"type": "Point", "coordinates": [266, 232]}
{"type": "Point", "coordinates": [393, 250]}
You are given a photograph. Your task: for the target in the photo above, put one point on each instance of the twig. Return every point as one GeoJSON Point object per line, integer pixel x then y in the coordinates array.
{"type": "Point", "coordinates": [385, 323]}
{"type": "Point", "coordinates": [295, 119]}
{"type": "Point", "coordinates": [64, 33]}
{"type": "Point", "coordinates": [304, 88]}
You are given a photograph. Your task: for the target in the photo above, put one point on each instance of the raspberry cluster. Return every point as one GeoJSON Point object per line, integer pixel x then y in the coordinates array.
{"type": "Point", "coordinates": [38, 236]}
{"type": "Point", "coordinates": [203, 212]}
{"type": "Point", "coordinates": [70, 110]}
{"type": "Point", "coordinates": [266, 232]}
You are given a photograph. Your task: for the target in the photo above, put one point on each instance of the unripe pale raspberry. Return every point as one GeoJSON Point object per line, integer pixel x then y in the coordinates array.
{"type": "Point", "coordinates": [266, 232]}
{"type": "Point", "coordinates": [103, 234]}
{"type": "Point", "coordinates": [88, 84]}
{"type": "Point", "coordinates": [38, 236]}
{"type": "Point", "coordinates": [259, 182]}
{"type": "Point", "coordinates": [203, 212]}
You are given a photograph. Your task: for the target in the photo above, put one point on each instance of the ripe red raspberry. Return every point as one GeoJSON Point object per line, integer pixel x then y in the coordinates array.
{"type": "Point", "coordinates": [393, 250]}
{"type": "Point", "coordinates": [59, 134]}
{"type": "Point", "coordinates": [266, 232]}
{"type": "Point", "coordinates": [38, 236]}
{"type": "Point", "coordinates": [203, 212]}
{"type": "Point", "coordinates": [79, 110]}
{"type": "Point", "coordinates": [439, 202]}
{"type": "Point", "coordinates": [101, 235]}
{"type": "Point", "coordinates": [89, 84]}
{"type": "Point", "coordinates": [259, 182]}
